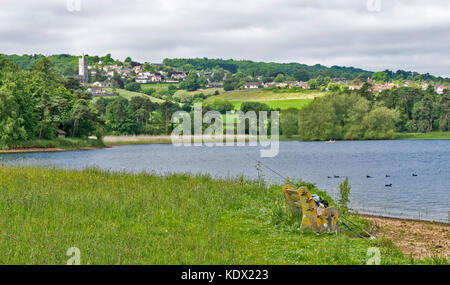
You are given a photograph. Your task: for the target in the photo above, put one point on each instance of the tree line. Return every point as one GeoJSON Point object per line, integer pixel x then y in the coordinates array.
{"type": "Point", "coordinates": [364, 114]}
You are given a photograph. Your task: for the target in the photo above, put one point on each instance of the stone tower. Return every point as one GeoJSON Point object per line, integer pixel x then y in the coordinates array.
{"type": "Point", "coordinates": [83, 69]}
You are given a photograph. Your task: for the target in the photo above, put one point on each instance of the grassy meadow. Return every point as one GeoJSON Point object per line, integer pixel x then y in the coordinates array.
{"type": "Point", "coordinates": [130, 94]}
{"type": "Point", "coordinates": [119, 218]}
{"type": "Point", "coordinates": [261, 95]}
{"type": "Point", "coordinates": [279, 104]}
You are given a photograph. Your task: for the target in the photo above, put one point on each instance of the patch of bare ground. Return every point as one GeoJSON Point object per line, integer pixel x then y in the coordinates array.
{"type": "Point", "coordinates": [419, 239]}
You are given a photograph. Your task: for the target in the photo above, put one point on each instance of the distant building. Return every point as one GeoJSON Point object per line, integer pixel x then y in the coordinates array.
{"type": "Point", "coordinates": [83, 69]}
{"type": "Point", "coordinates": [61, 134]}
{"type": "Point", "coordinates": [99, 92]}
{"type": "Point", "coordinates": [252, 85]}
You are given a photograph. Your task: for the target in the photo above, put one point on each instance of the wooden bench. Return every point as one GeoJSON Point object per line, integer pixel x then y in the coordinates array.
{"type": "Point", "coordinates": [315, 218]}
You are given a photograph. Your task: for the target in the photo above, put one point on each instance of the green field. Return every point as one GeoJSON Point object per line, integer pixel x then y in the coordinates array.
{"type": "Point", "coordinates": [158, 86]}
{"type": "Point", "coordinates": [261, 95]}
{"type": "Point", "coordinates": [281, 104]}
{"type": "Point", "coordinates": [281, 100]}
{"type": "Point", "coordinates": [129, 94]}
{"type": "Point", "coordinates": [119, 218]}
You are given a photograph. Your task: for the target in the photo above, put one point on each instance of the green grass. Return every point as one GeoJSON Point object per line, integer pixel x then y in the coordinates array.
{"type": "Point", "coordinates": [67, 143]}
{"type": "Point", "coordinates": [261, 95]}
{"type": "Point", "coordinates": [129, 94]}
{"type": "Point", "coordinates": [158, 86]}
{"type": "Point", "coordinates": [119, 218]}
{"type": "Point", "coordinates": [281, 104]}
{"type": "Point", "coordinates": [424, 136]}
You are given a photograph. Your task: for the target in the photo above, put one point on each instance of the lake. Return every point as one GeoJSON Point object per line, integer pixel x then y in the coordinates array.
{"type": "Point", "coordinates": [423, 197]}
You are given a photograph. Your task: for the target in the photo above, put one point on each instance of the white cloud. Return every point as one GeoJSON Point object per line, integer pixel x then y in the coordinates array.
{"type": "Point", "coordinates": [410, 35]}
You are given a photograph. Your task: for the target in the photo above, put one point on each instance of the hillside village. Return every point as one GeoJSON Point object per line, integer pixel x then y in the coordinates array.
{"type": "Point", "coordinates": [102, 75]}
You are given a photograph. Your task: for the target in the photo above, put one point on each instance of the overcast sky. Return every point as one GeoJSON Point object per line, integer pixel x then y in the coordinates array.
{"type": "Point", "coordinates": [401, 34]}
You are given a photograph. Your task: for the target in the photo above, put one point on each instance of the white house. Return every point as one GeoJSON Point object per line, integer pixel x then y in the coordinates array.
{"type": "Point", "coordinates": [252, 85]}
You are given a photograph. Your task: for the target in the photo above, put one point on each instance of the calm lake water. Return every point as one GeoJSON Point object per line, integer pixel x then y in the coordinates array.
{"type": "Point", "coordinates": [426, 196]}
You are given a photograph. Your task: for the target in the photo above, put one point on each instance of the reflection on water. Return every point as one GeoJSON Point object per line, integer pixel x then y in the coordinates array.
{"type": "Point", "coordinates": [425, 196]}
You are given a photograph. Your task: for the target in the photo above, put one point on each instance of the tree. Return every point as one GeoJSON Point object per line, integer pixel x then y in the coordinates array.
{"type": "Point", "coordinates": [50, 108]}
{"type": "Point", "coordinates": [423, 114]}
{"type": "Point", "coordinates": [280, 78]}
{"type": "Point", "coordinates": [133, 86]}
{"type": "Point", "coordinates": [445, 112]}
{"type": "Point", "coordinates": [11, 124]}
{"type": "Point", "coordinates": [289, 122]}
{"type": "Point", "coordinates": [302, 75]}
{"type": "Point", "coordinates": [381, 76]}
{"type": "Point", "coordinates": [344, 196]}
{"type": "Point", "coordinates": [143, 107]}
{"type": "Point", "coordinates": [380, 123]}
{"type": "Point", "coordinates": [191, 82]}
{"type": "Point", "coordinates": [254, 106]}
{"type": "Point", "coordinates": [167, 108]}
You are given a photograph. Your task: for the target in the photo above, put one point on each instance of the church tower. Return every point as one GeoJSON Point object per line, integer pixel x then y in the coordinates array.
{"type": "Point", "coordinates": [83, 69]}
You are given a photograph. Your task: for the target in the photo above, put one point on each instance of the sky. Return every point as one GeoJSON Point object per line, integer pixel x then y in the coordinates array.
{"type": "Point", "coordinates": [412, 35]}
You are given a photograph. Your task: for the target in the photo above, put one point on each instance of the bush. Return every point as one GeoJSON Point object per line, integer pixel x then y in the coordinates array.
{"type": "Point", "coordinates": [133, 86]}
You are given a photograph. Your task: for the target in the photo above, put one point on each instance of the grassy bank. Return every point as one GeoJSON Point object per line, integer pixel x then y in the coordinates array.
{"type": "Point", "coordinates": [67, 143]}
{"type": "Point", "coordinates": [118, 218]}
{"type": "Point", "coordinates": [424, 136]}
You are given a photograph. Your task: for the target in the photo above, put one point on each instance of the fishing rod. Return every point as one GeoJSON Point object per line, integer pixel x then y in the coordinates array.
{"type": "Point", "coordinates": [348, 227]}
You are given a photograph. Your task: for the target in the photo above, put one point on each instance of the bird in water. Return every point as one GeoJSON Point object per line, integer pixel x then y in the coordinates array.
{"type": "Point", "coordinates": [368, 176]}
{"type": "Point", "coordinates": [387, 176]}
{"type": "Point", "coordinates": [415, 175]}
{"type": "Point", "coordinates": [336, 176]}
{"type": "Point", "coordinates": [388, 185]}
{"type": "Point", "coordinates": [329, 177]}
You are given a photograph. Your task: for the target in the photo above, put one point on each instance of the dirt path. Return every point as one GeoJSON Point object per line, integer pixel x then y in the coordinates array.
{"type": "Point", "coordinates": [417, 238]}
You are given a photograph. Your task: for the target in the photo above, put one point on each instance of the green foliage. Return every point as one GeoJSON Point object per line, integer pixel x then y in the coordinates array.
{"type": "Point", "coordinates": [11, 124]}
{"type": "Point", "coordinates": [219, 105]}
{"type": "Point", "coordinates": [380, 76]}
{"type": "Point", "coordinates": [133, 86]}
{"type": "Point", "coordinates": [120, 218]}
{"type": "Point", "coordinates": [344, 193]}
{"type": "Point", "coordinates": [192, 82]}
{"type": "Point", "coordinates": [289, 122]}
{"type": "Point", "coordinates": [254, 106]}
{"type": "Point", "coordinates": [346, 116]}
{"type": "Point", "coordinates": [302, 75]}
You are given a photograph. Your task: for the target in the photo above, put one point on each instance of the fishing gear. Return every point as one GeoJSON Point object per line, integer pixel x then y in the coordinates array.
{"type": "Point", "coordinates": [340, 218]}
{"type": "Point", "coordinates": [348, 227]}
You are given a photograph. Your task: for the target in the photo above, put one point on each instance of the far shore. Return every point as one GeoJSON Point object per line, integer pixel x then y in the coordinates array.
{"type": "Point", "coordinates": [29, 150]}
{"type": "Point", "coordinates": [110, 141]}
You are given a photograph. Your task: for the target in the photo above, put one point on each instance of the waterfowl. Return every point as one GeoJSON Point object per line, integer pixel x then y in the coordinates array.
{"type": "Point", "coordinates": [388, 185]}
{"type": "Point", "coordinates": [336, 176]}
{"type": "Point", "coordinates": [368, 176]}
{"type": "Point", "coordinates": [415, 175]}
{"type": "Point", "coordinates": [387, 175]}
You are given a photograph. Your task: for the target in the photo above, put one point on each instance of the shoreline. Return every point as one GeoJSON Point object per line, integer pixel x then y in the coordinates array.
{"type": "Point", "coordinates": [110, 141]}
{"type": "Point", "coordinates": [36, 150]}
{"type": "Point", "coordinates": [418, 239]}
